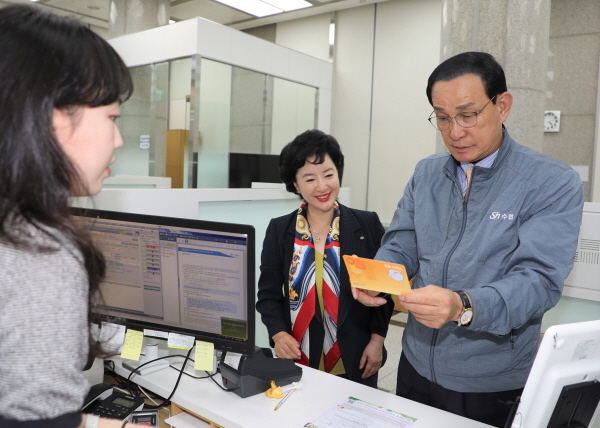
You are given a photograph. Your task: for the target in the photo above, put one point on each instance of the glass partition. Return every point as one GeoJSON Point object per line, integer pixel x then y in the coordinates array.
{"type": "Point", "coordinates": [215, 123]}
{"type": "Point", "coordinates": [134, 158]}
{"type": "Point", "coordinates": [294, 111]}
{"type": "Point", "coordinates": [236, 111]}
{"type": "Point", "coordinates": [143, 124]}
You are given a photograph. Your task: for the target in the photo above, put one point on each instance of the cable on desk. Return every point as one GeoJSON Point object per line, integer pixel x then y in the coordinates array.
{"type": "Point", "coordinates": [191, 375]}
{"type": "Point", "coordinates": [208, 375]}
{"type": "Point", "coordinates": [121, 382]}
{"type": "Point", "coordinates": [146, 394]}
{"type": "Point", "coordinates": [212, 377]}
{"type": "Point", "coordinates": [168, 400]}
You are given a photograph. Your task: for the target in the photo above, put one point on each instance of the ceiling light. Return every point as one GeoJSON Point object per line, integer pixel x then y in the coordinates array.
{"type": "Point", "coordinates": [253, 7]}
{"type": "Point", "coordinates": [288, 5]}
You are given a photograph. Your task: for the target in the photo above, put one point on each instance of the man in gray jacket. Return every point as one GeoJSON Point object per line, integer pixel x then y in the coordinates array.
{"type": "Point", "coordinates": [489, 232]}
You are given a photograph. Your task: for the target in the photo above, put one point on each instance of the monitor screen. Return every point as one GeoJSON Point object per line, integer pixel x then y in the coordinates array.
{"type": "Point", "coordinates": [172, 275]}
{"type": "Point", "coordinates": [569, 354]}
{"type": "Point", "coordinates": [246, 168]}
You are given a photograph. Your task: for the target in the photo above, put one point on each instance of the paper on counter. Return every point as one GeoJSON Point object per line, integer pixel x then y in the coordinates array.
{"type": "Point", "coordinates": [356, 413]}
{"type": "Point", "coordinates": [185, 420]}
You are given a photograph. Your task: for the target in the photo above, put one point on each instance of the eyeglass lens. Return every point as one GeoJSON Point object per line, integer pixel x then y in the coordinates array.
{"type": "Point", "coordinates": [466, 120]}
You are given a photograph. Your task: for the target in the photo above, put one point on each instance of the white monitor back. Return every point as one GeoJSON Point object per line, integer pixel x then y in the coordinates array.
{"type": "Point", "coordinates": [584, 280]}
{"type": "Point", "coordinates": [568, 354]}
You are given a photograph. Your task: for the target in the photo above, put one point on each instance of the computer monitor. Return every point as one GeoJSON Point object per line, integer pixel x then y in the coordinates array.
{"type": "Point", "coordinates": [248, 168]}
{"type": "Point", "coordinates": [569, 354]}
{"type": "Point", "coordinates": [173, 275]}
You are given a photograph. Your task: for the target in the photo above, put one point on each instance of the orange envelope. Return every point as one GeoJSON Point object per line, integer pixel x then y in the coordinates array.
{"type": "Point", "coordinates": [375, 275]}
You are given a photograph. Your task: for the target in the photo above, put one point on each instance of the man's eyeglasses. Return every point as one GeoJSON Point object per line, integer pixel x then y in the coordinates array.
{"type": "Point", "coordinates": [466, 119]}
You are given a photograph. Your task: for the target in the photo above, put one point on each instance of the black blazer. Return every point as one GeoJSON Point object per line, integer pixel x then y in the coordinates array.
{"type": "Point", "coordinates": [360, 234]}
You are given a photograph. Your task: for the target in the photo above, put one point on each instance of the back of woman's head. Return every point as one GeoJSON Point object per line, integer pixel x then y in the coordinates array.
{"type": "Point", "coordinates": [314, 145]}
{"type": "Point", "coordinates": [47, 62]}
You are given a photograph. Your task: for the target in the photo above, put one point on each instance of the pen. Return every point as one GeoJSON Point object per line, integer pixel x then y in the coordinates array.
{"type": "Point", "coordinates": [284, 398]}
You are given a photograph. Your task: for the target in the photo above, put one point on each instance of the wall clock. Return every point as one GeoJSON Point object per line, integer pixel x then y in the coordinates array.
{"type": "Point", "coordinates": [552, 121]}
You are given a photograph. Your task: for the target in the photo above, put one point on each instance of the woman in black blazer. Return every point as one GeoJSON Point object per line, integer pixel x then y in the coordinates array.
{"type": "Point", "coordinates": [320, 325]}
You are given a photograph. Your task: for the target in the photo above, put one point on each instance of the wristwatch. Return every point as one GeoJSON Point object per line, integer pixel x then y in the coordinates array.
{"type": "Point", "coordinates": [467, 313]}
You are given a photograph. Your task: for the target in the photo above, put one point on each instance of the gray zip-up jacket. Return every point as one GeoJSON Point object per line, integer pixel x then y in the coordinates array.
{"type": "Point", "coordinates": [510, 245]}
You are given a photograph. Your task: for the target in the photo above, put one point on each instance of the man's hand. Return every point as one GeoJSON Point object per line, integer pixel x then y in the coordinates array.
{"type": "Point", "coordinates": [432, 305]}
{"type": "Point", "coordinates": [372, 356]}
{"type": "Point", "coordinates": [286, 346]}
{"type": "Point", "coordinates": [367, 297]}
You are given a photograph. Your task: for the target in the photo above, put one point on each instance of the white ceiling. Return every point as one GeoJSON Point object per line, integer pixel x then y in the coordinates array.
{"type": "Point", "coordinates": [95, 12]}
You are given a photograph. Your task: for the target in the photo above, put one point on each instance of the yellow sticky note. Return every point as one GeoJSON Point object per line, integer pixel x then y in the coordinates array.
{"type": "Point", "coordinates": [203, 359]}
{"type": "Point", "coordinates": [132, 347]}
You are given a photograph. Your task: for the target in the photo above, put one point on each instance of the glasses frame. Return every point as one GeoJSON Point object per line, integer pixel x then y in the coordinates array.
{"type": "Point", "coordinates": [449, 119]}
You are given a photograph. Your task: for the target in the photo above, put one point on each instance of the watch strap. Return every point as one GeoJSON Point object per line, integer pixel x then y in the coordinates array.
{"type": "Point", "coordinates": [465, 299]}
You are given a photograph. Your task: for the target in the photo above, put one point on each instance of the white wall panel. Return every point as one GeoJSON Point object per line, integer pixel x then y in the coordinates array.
{"type": "Point", "coordinates": [351, 99]}
{"type": "Point", "coordinates": [407, 46]}
{"type": "Point", "coordinates": [309, 35]}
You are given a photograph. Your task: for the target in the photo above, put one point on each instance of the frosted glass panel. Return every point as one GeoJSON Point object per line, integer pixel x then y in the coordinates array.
{"type": "Point", "coordinates": [258, 214]}
{"type": "Point", "coordinates": [133, 124]}
{"type": "Point", "coordinates": [248, 113]}
{"type": "Point", "coordinates": [159, 111]}
{"type": "Point", "coordinates": [215, 119]}
{"type": "Point", "coordinates": [294, 111]}
{"type": "Point", "coordinates": [180, 76]}
{"type": "Point", "coordinates": [143, 124]}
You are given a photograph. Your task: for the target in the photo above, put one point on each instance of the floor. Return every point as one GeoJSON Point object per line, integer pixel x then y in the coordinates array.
{"type": "Point", "coordinates": [393, 344]}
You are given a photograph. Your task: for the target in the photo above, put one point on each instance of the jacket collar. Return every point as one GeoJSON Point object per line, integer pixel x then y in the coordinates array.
{"type": "Point", "coordinates": [483, 173]}
{"type": "Point", "coordinates": [347, 221]}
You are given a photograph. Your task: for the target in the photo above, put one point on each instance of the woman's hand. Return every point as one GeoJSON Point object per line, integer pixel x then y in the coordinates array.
{"type": "Point", "coordinates": [286, 346]}
{"type": "Point", "coordinates": [372, 356]}
{"type": "Point", "coordinates": [367, 297]}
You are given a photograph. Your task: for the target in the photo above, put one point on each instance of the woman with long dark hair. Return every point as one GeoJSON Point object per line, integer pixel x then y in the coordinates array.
{"type": "Point", "coordinates": [60, 90]}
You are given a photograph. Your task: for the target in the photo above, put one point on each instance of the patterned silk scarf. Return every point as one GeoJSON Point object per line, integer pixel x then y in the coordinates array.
{"type": "Point", "coordinates": [303, 290]}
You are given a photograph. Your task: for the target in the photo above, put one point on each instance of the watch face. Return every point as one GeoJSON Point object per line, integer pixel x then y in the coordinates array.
{"type": "Point", "coordinates": [465, 317]}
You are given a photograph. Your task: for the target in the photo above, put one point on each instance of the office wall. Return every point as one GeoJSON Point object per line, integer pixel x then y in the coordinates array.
{"type": "Point", "coordinates": [383, 54]}
{"type": "Point", "coordinates": [307, 35]}
{"type": "Point", "coordinates": [407, 47]}
{"type": "Point", "coordinates": [572, 83]}
{"type": "Point", "coordinates": [351, 107]}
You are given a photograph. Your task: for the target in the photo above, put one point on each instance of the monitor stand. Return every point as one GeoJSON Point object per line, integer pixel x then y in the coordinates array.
{"type": "Point", "coordinates": [151, 354]}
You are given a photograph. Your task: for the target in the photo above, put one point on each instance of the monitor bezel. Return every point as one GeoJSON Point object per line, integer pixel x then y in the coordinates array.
{"type": "Point", "coordinates": [555, 367]}
{"type": "Point", "coordinates": [220, 343]}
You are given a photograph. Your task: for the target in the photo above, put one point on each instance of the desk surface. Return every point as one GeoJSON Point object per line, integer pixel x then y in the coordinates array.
{"type": "Point", "coordinates": [320, 391]}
